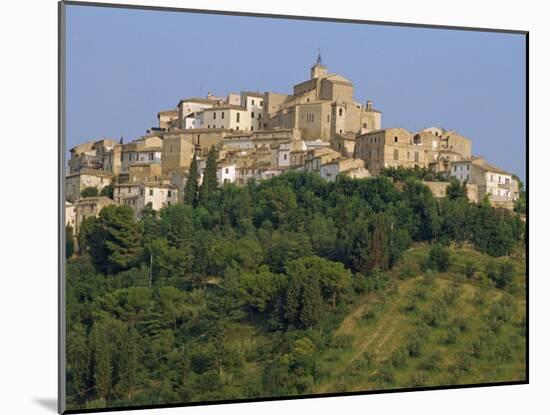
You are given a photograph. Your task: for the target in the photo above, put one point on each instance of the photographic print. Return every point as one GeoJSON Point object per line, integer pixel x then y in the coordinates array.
{"type": "Point", "coordinates": [259, 207]}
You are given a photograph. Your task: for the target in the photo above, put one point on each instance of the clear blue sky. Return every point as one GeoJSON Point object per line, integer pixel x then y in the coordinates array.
{"type": "Point", "coordinates": [123, 66]}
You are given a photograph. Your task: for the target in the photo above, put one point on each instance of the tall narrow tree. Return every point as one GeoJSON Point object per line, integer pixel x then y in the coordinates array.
{"type": "Point", "coordinates": [192, 185]}
{"type": "Point", "coordinates": [210, 177]}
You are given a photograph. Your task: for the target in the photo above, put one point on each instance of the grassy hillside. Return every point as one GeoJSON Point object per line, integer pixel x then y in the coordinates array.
{"type": "Point", "coordinates": [429, 329]}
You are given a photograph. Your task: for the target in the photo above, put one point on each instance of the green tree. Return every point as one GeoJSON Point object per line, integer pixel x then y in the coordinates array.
{"type": "Point", "coordinates": [89, 191]}
{"type": "Point", "coordinates": [78, 360]}
{"type": "Point", "coordinates": [439, 258]}
{"type": "Point", "coordinates": [456, 190]}
{"type": "Point", "coordinates": [192, 186]}
{"type": "Point", "coordinates": [210, 176]}
{"type": "Point", "coordinates": [312, 303]}
{"type": "Point", "coordinates": [115, 239]}
{"type": "Point", "coordinates": [107, 191]}
{"type": "Point", "coordinates": [102, 360]}
{"type": "Point", "coordinates": [69, 241]}
{"type": "Point", "coordinates": [128, 362]}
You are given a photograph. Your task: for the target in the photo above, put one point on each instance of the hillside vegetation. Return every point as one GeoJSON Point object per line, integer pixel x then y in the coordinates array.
{"type": "Point", "coordinates": [293, 286]}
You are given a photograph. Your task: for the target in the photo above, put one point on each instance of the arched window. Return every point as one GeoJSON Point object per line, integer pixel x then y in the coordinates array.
{"type": "Point", "coordinates": [340, 112]}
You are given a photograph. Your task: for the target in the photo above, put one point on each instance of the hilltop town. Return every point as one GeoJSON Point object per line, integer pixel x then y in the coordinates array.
{"type": "Point", "coordinates": [319, 127]}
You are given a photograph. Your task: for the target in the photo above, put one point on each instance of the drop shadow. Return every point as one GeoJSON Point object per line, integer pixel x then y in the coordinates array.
{"type": "Point", "coordinates": [48, 403]}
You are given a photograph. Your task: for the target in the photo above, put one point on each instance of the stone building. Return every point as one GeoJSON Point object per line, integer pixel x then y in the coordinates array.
{"type": "Point", "coordinates": [69, 214]}
{"type": "Point", "coordinates": [354, 168]}
{"type": "Point", "coordinates": [320, 108]}
{"type": "Point", "coordinates": [500, 186]}
{"type": "Point", "coordinates": [90, 155]}
{"type": "Point", "coordinates": [155, 194]}
{"type": "Point", "coordinates": [88, 206]}
{"type": "Point", "coordinates": [179, 146]}
{"type": "Point", "coordinates": [394, 147]}
{"type": "Point", "coordinates": [76, 182]}
{"type": "Point", "coordinates": [315, 158]}
{"type": "Point", "coordinates": [168, 119]}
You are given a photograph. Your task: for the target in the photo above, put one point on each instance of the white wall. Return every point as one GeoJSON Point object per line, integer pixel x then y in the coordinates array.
{"type": "Point", "coordinates": [227, 173]}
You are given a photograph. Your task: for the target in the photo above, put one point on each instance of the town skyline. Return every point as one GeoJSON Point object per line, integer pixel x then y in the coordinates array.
{"type": "Point", "coordinates": [133, 105]}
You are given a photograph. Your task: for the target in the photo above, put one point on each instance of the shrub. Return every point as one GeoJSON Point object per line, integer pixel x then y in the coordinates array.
{"type": "Point", "coordinates": [451, 294]}
{"type": "Point", "coordinates": [415, 345]}
{"type": "Point", "coordinates": [470, 270]}
{"type": "Point", "coordinates": [418, 379]}
{"type": "Point", "coordinates": [463, 364]}
{"type": "Point", "coordinates": [436, 314]}
{"type": "Point", "coordinates": [502, 274]}
{"type": "Point", "coordinates": [398, 358]}
{"type": "Point", "coordinates": [406, 272]}
{"type": "Point", "coordinates": [386, 373]}
{"type": "Point", "coordinates": [479, 297]}
{"type": "Point", "coordinates": [461, 323]}
{"type": "Point", "coordinates": [342, 341]}
{"type": "Point", "coordinates": [451, 335]}
{"type": "Point", "coordinates": [432, 362]}
{"type": "Point", "coordinates": [439, 258]}
{"type": "Point", "coordinates": [370, 314]}
{"type": "Point", "coordinates": [89, 192]}
{"type": "Point", "coordinates": [410, 307]}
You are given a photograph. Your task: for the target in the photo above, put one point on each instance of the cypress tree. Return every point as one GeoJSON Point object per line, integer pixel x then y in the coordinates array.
{"type": "Point", "coordinates": [192, 185]}
{"type": "Point", "coordinates": [128, 362]}
{"type": "Point", "coordinates": [210, 177]}
{"type": "Point", "coordinates": [312, 303]}
{"type": "Point", "coordinates": [292, 304]}
{"type": "Point", "coordinates": [102, 360]}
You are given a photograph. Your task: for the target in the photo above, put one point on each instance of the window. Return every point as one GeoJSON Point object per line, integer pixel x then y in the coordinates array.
{"type": "Point", "coordinates": [169, 203]}
{"type": "Point", "coordinates": [251, 128]}
{"type": "Point", "coordinates": [284, 156]}
{"type": "Point", "coordinates": [150, 192]}
{"type": "Point", "coordinates": [416, 157]}
{"type": "Point", "coordinates": [455, 167]}
{"type": "Point", "coordinates": [214, 126]}
{"type": "Point", "coordinates": [223, 115]}
{"type": "Point", "coordinates": [252, 113]}
{"type": "Point", "coordinates": [340, 112]}
{"type": "Point", "coordinates": [364, 125]}
{"type": "Point", "coordinates": [396, 154]}
{"type": "Point", "coordinates": [214, 116]}
{"type": "Point", "coordinates": [141, 192]}
{"type": "Point", "coordinates": [226, 171]}
{"type": "Point", "coordinates": [208, 125]}
{"type": "Point", "coordinates": [151, 156]}
{"type": "Point", "coordinates": [169, 193]}
{"type": "Point", "coordinates": [395, 139]}
{"type": "Point", "coordinates": [198, 139]}
{"type": "Point", "coordinates": [340, 130]}
{"type": "Point", "coordinates": [238, 117]}
{"type": "Point", "coordinates": [328, 118]}
{"type": "Point", "coordinates": [261, 103]}
{"type": "Point", "coordinates": [260, 116]}
{"type": "Point", "coordinates": [252, 102]}
{"type": "Point", "coordinates": [130, 156]}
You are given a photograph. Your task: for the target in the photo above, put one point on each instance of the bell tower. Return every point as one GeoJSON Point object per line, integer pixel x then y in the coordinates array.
{"type": "Point", "coordinates": [318, 70]}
